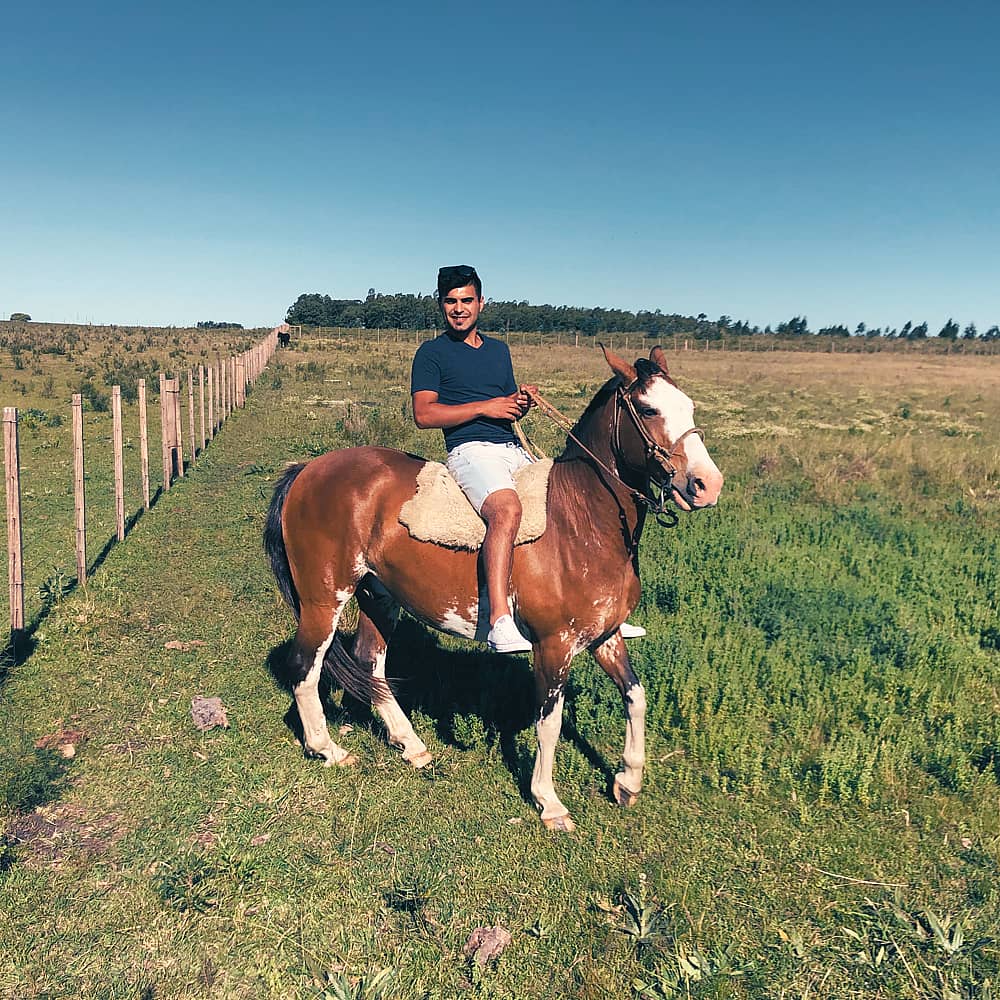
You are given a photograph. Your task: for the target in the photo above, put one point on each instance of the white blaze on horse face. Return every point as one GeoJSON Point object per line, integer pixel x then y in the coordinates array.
{"type": "Point", "coordinates": [675, 415]}
{"type": "Point", "coordinates": [674, 409]}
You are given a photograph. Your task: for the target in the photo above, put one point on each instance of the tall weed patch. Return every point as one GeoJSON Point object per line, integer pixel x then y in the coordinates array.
{"type": "Point", "coordinates": [833, 649]}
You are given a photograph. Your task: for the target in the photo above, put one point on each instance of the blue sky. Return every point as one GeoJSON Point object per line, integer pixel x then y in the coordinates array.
{"type": "Point", "coordinates": [170, 163]}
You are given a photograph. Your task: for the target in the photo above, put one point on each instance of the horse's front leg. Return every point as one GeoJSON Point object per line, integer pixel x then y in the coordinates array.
{"type": "Point", "coordinates": [613, 658]}
{"type": "Point", "coordinates": [551, 663]}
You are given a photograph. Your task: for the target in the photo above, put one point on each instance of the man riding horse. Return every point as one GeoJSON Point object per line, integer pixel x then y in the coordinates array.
{"type": "Point", "coordinates": [463, 383]}
{"type": "Point", "coordinates": [335, 530]}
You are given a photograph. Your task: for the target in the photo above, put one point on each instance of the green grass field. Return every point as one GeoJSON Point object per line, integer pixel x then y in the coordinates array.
{"type": "Point", "coordinates": [821, 816]}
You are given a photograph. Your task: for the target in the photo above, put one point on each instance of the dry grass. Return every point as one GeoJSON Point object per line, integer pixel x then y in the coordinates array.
{"type": "Point", "coordinates": [896, 424]}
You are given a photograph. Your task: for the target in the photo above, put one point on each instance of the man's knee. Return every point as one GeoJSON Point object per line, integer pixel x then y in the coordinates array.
{"type": "Point", "coordinates": [502, 508]}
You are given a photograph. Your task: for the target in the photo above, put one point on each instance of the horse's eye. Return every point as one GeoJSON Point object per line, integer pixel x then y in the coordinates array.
{"type": "Point", "coordinates": [647, 411]}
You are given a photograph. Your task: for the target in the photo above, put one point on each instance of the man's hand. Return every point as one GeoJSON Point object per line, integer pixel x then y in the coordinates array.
{"type": "Point", "coordinates": [504, 407]}
{"type": "Point", "coordinates": [428, 412]}
{"type": "Point", "coordinates": [525, 397]}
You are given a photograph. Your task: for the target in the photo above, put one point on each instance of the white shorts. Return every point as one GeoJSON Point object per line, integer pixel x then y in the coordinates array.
{"type": "Point", "coordinates": [483, 467]}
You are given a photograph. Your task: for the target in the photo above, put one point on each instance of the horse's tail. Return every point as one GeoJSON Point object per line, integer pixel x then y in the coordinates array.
{"type": "Point", "coordinates": [355, 677]}
{"type": "Point", "coordinates": [274, 539]}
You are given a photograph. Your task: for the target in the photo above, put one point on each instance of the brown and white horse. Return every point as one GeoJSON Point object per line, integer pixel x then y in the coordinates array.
{"type": "Point", "coordinates": [333, 526]}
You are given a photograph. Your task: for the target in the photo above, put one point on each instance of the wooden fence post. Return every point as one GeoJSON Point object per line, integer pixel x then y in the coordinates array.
{"type": "Point", "coordinates": [175, 392]}
{"type": "Point", "coordinates": [116, 418]}
{"type": "Point", "coordinates": [15, 551]}
{"type": "Point", "coordinates": [79, 497]}
{"type": "Point", "coordinates": [201, 405]}
{"type": "Point", "coordinates": [143, 444]}
{"type": "Point", "coordinates": [194, 447]}
{"type": "Point", "coordinates": [211, 402]}
{"type": "Point", "coordinates": [240, 381]}
{"type": "Point", "coordinates": [167, 432]}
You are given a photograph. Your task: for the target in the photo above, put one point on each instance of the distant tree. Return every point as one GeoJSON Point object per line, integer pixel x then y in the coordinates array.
{"type": "Point", "coordinates": [421, 312]}
{"type": "Point", "coordinates": [797, 326]}
{"type": "Point", "coordinates": [949, 331]}
{"type": "Point", "coordinates": [993, 333]}
{"type": "Point", "coordinates": [859, 330]}
{"type": "Point", "coordinates": [20, 318]}
{"type": "Point", "coordinates": [970, 332]}
{"type": "Point", "coordinates": [209, 324]}
{"type": "Point", "coordinates": [307, 310]}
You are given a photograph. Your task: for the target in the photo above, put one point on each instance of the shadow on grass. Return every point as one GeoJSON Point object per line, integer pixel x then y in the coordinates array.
{"type": "Point", "coordinates": [34, 777]}
{"type": "Point", "coordinates": [449, 687]}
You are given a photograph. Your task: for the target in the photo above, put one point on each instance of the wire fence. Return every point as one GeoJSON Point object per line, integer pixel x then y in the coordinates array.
{"type": "Point", "coordinates": [209, 393]}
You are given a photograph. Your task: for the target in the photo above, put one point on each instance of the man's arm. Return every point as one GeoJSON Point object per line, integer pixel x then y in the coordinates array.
{"type": "Point", "coordinates": [428, 412]}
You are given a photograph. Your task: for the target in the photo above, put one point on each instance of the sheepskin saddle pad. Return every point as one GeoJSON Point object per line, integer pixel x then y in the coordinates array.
{"type": "Point", "coordinates": [439, 511]}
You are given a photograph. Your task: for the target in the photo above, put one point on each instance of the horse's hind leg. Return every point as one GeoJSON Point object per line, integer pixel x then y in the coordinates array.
{"type": "Point", "coordinates": [376, 622]}
{"type": "Point", "coordinates": [613, 658]}
{"type": "Point", "coordinates": [317, 628]}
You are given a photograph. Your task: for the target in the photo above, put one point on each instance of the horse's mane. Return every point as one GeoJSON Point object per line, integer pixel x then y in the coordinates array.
{"type": "Point", "coordinates": [596, 404]}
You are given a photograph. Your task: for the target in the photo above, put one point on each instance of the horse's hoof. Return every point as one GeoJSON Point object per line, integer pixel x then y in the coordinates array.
{"type": "Point", "coordinates": [325, 756]}
{"type": "Point", "coordinates": [419, 760]}
{"type": "Point", "coordinates": [625, 797]}
{"type": "Point", "coordinates": [559, 824]}
{"type": "Point", "coordinates": [330, 758]}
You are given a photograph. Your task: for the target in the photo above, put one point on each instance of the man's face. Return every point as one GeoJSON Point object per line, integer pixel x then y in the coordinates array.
{"type": "Point", "coordinates": [461, 307]}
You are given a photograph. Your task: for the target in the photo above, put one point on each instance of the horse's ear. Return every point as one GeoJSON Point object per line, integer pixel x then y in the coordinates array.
{"type": "Point", "coordinates": [619, 366]}
{"type": "Point", "coordinates": [659, 359]}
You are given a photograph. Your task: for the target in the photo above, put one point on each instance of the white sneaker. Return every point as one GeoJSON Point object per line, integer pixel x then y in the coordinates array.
{"type": "Point", "coordinates": [631, 631]}
{"type": "Point", "coordinates": [505, 638]}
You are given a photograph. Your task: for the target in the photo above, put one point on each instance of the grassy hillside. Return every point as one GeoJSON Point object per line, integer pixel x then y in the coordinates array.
{"type": "Point", "coordinates": [823, 674]}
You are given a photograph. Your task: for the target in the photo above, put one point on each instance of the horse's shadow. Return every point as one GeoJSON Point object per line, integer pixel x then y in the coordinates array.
{"type": "Point", "coordinates": [448, 686]}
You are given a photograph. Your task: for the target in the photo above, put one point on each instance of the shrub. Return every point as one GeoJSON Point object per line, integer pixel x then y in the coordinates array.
{"type": "Point", "coordinates": [100, 402]}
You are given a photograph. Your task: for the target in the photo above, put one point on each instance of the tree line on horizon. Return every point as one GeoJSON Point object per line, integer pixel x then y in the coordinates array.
{"type": "Point", "coordinates": [405, 311]}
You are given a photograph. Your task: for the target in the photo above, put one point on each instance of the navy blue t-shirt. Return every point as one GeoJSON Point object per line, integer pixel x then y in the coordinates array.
{"type": "Point", "coordinates": [459, 373]}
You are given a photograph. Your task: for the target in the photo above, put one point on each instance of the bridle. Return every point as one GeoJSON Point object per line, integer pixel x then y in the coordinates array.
{"type": "Point", "coordinates": [653, 451]}
{"type": "Point", "coordinates": [664, 457]}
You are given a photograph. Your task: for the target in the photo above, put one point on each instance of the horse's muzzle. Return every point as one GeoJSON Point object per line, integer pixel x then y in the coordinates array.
{"type": "Point", "coordinates": [697, 491]}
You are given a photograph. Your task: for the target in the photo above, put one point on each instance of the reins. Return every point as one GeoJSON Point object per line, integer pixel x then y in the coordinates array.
{"type": "Point", "coordinates": [665, 516]}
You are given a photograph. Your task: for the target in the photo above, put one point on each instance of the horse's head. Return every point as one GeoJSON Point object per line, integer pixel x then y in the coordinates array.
{"type": "Point", "coordinates": [656, 432]}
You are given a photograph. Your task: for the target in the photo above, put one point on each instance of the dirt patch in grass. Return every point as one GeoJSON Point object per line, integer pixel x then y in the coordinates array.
{"type": "Point", "coordinates": [53, 835]}
{"type": "Point", "coordinates": [64, 741]}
